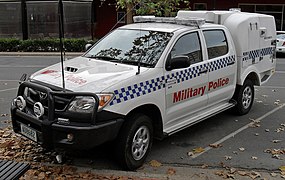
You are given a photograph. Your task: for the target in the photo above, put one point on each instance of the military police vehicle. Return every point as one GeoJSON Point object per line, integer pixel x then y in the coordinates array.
{"type": "Point", "coordinates": [148, 80]}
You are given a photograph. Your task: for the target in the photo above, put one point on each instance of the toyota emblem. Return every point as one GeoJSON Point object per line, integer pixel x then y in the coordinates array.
{"type": "Point", "coordinates": [38, 109]}
{"type": "Point", "coordinates": [43, 95]}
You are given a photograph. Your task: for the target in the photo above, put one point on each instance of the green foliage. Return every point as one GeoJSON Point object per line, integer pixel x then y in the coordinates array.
{"type": "Point", "coordinates": [153, 7]}
{"type": "Point", "coordinates": [42, 45]}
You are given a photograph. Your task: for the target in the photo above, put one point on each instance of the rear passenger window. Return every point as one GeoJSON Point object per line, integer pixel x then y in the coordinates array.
{"type": "Point", "coordinates": [188, 45]}
{"type": "Point", "coordinates": [216, 43]}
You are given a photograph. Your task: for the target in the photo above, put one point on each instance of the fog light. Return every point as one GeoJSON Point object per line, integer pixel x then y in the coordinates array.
{"type": "Point", "coordinates": [70, 137]}
{"type": "Point", "coordinates": [20, 103]}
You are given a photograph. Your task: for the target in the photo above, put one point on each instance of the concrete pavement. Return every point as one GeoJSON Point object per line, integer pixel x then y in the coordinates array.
{"type": "Point", "coordinates": [39, 53]}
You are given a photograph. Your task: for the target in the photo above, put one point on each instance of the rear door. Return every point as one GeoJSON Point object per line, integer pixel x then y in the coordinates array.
{"type": "Point", "coordinates": [222, 65]}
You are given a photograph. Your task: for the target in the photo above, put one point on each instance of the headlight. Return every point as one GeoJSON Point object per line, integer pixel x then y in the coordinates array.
{"type": "Point", "coordinates": [86, 104]}
{"type": "Point", "coordinates": [82, 104]}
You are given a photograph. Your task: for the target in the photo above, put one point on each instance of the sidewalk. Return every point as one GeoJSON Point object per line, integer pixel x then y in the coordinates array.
{"type": "Point", "coordinates": [40, 53]}
{"type": "Point", "coordinates": [164, 172]}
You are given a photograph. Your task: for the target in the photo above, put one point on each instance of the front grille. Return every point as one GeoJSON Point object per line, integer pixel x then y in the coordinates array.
{"type": "Point", "coordinates": [61, 102]}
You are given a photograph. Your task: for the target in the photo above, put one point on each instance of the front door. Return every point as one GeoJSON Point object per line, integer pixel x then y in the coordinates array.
{"type": "Point", "coordinates": [186, 88]}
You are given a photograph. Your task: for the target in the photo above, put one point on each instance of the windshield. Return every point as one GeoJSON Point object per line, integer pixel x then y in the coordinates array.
{"type": "Point", "coordinates": [131, 46]}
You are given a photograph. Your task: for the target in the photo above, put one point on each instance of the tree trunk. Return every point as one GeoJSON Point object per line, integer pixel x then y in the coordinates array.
{"type": "Point", "coordinates": [129, 13]}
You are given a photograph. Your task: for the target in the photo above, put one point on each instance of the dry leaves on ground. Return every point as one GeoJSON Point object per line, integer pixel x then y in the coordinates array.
{"type": "Point", "coordinates": [17, 148]}
{"type": "Point", "coordinates": [171, 171]}
{"type": "Point", "coordinates": [64, 172]}
{"type": "Point", "coordinates": [215, 145]}
{"type": "Point", "coordinates": [230, 173]}
{"type": "Point", "coordinates": [154, 163]}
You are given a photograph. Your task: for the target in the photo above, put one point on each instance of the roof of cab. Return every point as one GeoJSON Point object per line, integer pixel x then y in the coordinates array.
{"type": "Point", "coordinates": [164, 27]}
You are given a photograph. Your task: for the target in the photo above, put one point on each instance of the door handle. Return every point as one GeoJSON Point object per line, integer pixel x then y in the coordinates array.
{"type": "Point", "coordinates": [203, 71]}
{"type": "Point", "coordinates": [230, 63]}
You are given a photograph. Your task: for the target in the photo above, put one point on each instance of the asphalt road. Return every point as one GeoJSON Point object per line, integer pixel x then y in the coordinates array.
{"type": "Point", "coordinates": [242, 146]}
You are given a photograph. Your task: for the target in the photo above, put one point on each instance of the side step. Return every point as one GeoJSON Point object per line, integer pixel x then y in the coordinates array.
{"type": "Point", "coordinates": [10, 170]}
{"type": "Point", "coordinates": [202, 116]}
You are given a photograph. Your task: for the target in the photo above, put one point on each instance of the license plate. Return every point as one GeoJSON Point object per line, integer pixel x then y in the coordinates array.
{"type": "Point", "coordinates": [28, 132]}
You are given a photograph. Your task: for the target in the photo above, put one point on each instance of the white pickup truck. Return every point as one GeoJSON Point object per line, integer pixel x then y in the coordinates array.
{"type": "Point", "coordinates": [148, 80]}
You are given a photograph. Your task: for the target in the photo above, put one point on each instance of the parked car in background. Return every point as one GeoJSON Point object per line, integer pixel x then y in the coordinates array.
{"type": "Point", "coordinates": [280, 47]}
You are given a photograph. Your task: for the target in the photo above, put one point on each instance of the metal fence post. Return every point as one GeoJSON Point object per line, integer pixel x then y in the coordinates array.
{"type": "Point", "coordinates": [24, 20]}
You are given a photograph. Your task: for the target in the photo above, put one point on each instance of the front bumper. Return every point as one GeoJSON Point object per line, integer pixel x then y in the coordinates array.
{"type": "Point", "coordinates": [51, 133]}
{"type": "Point", "coordinates": [280, 49]}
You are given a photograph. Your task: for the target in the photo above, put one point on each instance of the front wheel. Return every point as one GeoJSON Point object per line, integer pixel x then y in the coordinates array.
{"type": "Point", "coordinates": [134, 141]}
{"type": "Point", "coordinates": [244, 96]}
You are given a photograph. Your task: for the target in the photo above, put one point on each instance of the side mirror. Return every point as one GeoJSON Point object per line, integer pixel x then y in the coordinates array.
{"type": "Point", "coordinates": [178, 62]}
{"type": "Point", "coordinates": [88, 46]}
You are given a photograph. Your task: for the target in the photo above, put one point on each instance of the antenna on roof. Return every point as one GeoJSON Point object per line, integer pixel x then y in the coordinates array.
{"type": "Point", "coordinates": [61, 36]}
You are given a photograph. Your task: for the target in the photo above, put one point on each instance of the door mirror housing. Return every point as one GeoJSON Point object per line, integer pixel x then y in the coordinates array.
{"type": "Point", "coordinates": [178, 62]}
{"type": "Point", "coordinates": [88, 46]}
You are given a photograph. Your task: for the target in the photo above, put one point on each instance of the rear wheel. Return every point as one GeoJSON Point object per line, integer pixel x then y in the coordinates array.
{"type": "Point", "coordinates": [244, 96]}
{"type": "Point", "coordinates": [134, 141]}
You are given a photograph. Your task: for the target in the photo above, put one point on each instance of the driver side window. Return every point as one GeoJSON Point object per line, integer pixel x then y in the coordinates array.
{"type": "Point", "coordinates": [188, 45]}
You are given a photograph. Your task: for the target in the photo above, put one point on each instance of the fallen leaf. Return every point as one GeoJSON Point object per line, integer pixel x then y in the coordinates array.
{"type": "Point", "coordinates": [256, 134]}
{"type": "Point", "coordinates": [242, 173]}
{"type": "Point", "coordinates": [254, 157]}
{"type": "Point", "coordinates": [190, 153]}
{"type": "Point", "coordinates": [235, 152]}
{"type": "Point", "coordinates": [276, 141]}
{"type": "Point", "coordinates": [267, 130]}
{"type": "Point", "coordinates": [155, 163]}
{"type": "Point", "coordinates": [282, 168]}
{"type": "Point", "coordinates": [171, 171]}
{"type": "Point", "coordinates": [4, 115]}
{"type": "Point", "coordinates": [276, 156]}
{"type": "Point", "coordinates": [198, 150]}
{"type": "Point", "coordinates": [215, 145]}
{"type": "Point", "coordinates": [6, 144]}
{"type": "Point", "coordinates": [273, 174]}
{"type": "Point", "coordinates": [241, 149]}
{"type": "Point", "coordinates": [232, 170]}
{"type": "Point", "coordinates": [228, 157]}
{"type": "Point", "coordinates": [254, 175]}
{"type": "Point", "coordinates": [204, 166]}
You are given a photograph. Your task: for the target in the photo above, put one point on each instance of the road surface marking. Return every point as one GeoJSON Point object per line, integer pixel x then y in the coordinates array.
{"type": "Point", "coordinates": [8, 89]}
{"type": "Point", "coordinates": [271, 87]}
{"type": "Point", "coordinates": [9, 80]}
{"type": "Point", "coordinates": [237, 131]}
{"type": "Point", "coordinates": [24, 66]}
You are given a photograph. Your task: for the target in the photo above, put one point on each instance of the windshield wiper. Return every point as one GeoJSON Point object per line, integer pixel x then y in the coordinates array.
{"type": "Point", "coordinates": [136, 63]}
{"type": "Point", "coordinates": [112, 59]}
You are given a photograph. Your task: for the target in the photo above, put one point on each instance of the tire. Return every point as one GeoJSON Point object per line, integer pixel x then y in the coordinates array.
{"type": "Point", "coordinates": [134, 141]}
{"type": "Point", "coordinates": [244, 97]}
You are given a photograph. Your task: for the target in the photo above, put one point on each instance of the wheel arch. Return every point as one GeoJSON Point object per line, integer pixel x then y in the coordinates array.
{"type": "Point", "coordinates": [254, 78]}
{"type": "Point", "coordinates": [153, 112]}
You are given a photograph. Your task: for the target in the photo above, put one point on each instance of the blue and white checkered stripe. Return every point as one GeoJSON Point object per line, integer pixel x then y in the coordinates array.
{"type": "Point", "coordinates": [136, 90]}
{"type": "Point", "coordinates": [143, 88]}
{"type": "Point", "coordinates": [221, 63]}
{"type": "Point", "coordinates": [257, 53]}
{"type": "Point", "coordinates": [186, 74]}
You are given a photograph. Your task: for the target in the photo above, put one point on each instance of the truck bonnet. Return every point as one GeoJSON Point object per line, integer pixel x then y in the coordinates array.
{"type": "Point", "coordinates": [86, 75]}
